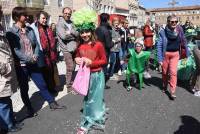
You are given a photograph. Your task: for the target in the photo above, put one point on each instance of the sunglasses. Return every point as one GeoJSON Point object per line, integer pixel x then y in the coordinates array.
{"type": "Point", "coordinates": [174, 22]}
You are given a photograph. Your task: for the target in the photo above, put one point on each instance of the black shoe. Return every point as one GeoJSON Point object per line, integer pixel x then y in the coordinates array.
{"type": "Point", "coordinates": [107, 87]}
{"type": "Point", "coordinates": [54, 105]}
{"type": "Point", "coordinates": [19, 124]}
{"type": "Point", "coordinates": [31, 113]}
{"type": "Point", "coordinates": [14, 129]}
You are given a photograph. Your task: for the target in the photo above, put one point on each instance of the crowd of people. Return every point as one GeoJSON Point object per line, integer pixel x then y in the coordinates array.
{"type": "Point", "coordinates": [30, 49]}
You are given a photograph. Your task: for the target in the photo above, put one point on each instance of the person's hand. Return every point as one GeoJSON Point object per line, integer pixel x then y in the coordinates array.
{"type": "Point", "coordinates": [121, 62]}
{"type": "Point", "coordinates": [34, 58]}
{"type": "Point", "coordinates": [87, 61]}
{"type": "Point", "coordinates": [78, 60]}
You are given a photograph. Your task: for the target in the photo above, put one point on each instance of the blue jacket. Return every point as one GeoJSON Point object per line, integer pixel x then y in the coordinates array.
{"type": "Point", "coordinates": [162, 43]}
{"type": "Point", "coordinates": [41, 62]}
{"type": "Point", "coordinates": [15, 43]}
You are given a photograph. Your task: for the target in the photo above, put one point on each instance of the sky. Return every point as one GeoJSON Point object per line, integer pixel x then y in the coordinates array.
{"type": "Point", "coordinates": [164, 3]}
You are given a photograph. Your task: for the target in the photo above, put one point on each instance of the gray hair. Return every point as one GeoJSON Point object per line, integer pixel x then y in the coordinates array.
{"type": "Point", "coordinates": [171, 16]}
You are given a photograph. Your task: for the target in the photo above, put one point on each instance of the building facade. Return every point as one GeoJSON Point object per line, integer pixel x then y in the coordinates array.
{"type": "Point", "coordinates": [33, 6]}
{"type": "Point", "coordinates": [54, 8]}
{"type": "Point", "coordinates": [191, 13]}
{"type": "Point", "coordinates": [128, 8]}
{"type": "Point", "coordinates": [137, 14]}
{"type": "Point", "coordinates": [101, 6]}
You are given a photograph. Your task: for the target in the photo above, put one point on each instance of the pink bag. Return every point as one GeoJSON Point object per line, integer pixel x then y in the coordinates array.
{"type": "Point", "coordinates": [82, 79]}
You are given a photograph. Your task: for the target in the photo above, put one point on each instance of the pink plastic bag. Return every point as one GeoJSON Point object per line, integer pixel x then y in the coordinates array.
{"type": "Point", "coordinates": [82, 79]}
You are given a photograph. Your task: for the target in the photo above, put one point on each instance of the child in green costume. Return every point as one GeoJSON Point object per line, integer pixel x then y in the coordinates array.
{"type": "Point", "coordinates": [136, 63]}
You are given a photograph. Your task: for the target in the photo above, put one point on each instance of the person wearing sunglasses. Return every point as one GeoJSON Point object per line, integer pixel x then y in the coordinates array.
{"type": "Point", "coordinates": [171, 38]}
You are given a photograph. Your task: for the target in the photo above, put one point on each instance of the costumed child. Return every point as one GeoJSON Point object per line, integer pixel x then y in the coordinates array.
{"type": "Point", "coordinates": [136, 64]}
{"type": "Point", "coordinates": [92, 53]}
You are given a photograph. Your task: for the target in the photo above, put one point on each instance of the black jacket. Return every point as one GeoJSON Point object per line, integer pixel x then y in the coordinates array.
{"type": "Point", "coordinates": [103, 33]}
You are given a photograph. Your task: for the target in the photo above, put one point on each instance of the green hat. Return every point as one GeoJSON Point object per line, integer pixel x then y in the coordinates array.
{"type": "Point", "coordinates": [190, 32]}
{"type": "Point", "coordinates": [84, 19]}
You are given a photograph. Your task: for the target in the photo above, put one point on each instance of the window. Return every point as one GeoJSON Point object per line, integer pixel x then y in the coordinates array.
{"type": "Point", "coordinates": [193, 17]}
{"type": "Point", "coordinates": [28, 1]}
{"type": "Point", "coordinates": [60, 3]}
{"type": "Point", "coordinates": [49, 20]}
{"type": "Point", "coordinates": [197, 17]}
{"type": "Point", "coordinates": [6, 21]}
{"type": "Point", "coordinates": [46, 2]}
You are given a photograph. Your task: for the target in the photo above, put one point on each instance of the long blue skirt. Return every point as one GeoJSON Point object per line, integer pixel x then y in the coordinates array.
{"type": "Point", "coordinates": [93, 105]}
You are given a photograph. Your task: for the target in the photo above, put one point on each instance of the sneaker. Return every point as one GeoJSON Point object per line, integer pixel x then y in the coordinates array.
{"type": "Point", "coordinates": [114, 77]}
{"type": "Point", "coordinates": [173, 96]}
{"type": "Point", "coordinates": [31, 113]}
{"type": "Point", "coordinates": [120, 73]}
{"type": "Point", "coordinates": [129, 88]}
{"type": "Point", "coordinates": [82, 130]}
{"type": "Point", "coordinates": [197, 93]}
{"type": "Point", "coordinates": [14, 129]}
{"type": "Point", "coordinates": [193, 90]}
{"type": "Point", "coordinates": [147, 75]}
{"type": "Point", "coordinates": [54, 105]}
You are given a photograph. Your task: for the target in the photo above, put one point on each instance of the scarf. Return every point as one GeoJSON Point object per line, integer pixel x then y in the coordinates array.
{"type": "Point", "coordinates": [171, 34]}
{"type": "Point", "coordinates": [48, 45]}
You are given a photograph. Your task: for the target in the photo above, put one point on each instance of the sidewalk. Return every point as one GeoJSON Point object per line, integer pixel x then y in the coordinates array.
{"type": "Point", "coordinates": [16, 99]}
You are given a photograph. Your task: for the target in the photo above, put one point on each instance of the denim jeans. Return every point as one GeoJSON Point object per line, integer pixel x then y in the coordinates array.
{"type": "Point", "coordinates": [32, 71]}
{"type": "Point", "coordinates": [113, 59]}
{"type": "Point", "coordinates": [6, 113]}
{"type": "Point", "coordinates": [122, 57]}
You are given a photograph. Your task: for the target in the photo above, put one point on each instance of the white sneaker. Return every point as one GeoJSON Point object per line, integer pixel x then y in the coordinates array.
{"type": "Point", "coordinates": [114, 77]}
{"type": "Point", "coordinates": [197, 93]}
{"type": "Point", "coordinates": [119, 73]}
{"type": "Point", "coordinates": [147, 75]}
{"type": "Point", "coordinates": [129, 88]}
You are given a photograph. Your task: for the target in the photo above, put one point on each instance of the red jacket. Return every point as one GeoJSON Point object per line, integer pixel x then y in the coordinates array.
{"type": "Point", "coordinates": [148, 36]}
